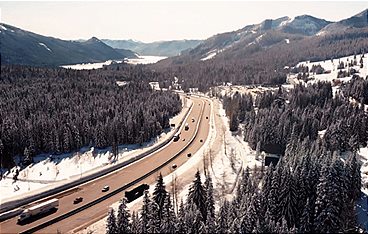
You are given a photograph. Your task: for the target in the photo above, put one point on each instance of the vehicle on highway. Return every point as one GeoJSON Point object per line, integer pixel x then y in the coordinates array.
{"type": "Point", "coordinates": [174, 166]}
{"type": "Point", "coordinates": [77, 200]}
{"type": "Point", "coordinates": [38, 209]}
{"type": "Point", "coordinates": [176, 137]}
{"type": "Point", "coordinates": [189, 155]}
{"type": "Point", "coordinates": [193, 120]}
{"type": "Point", "coordinates": [105, 188]}
{"type": "Point", "coordinates": [206, 117]}
{"type": "Point", "coordinates": [186, 127]}
{"type": "Point", "coordinates": [201, 140]}
{"type": "Point", "coordinates": [136, 192]}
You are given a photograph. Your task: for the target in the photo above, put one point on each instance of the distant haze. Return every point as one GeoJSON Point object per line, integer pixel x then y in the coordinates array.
{"type": "Point", "coordinates": [153, 21]}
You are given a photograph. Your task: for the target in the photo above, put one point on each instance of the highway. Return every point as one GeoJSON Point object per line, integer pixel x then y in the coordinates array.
{"type": "Point", "coordinates": [160, 161]}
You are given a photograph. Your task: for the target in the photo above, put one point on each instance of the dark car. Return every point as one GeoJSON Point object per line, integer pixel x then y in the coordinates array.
{"type": "Point", "coordinates": [189, 155]}
{"type": "Point", "coordinates": [174, 166]}
{"type": "Point", "coordinates": [77, 200]}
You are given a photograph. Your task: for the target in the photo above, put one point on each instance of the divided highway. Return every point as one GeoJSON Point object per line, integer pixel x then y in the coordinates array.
{"type": "Point", "coordinates": [71, 216]}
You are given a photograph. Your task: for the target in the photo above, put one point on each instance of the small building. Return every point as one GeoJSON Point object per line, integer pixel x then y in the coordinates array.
{"type": "Point", "coordinates": [273, 158]}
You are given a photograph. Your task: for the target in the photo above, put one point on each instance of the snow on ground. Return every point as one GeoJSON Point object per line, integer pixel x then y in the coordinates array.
{"type": "Point", "coordinates": [287, 41]}
{"type": "Point", "coordinates": [332, 65]}
{"type": "Point", "coordinates": [3, 27]}
{"type": "Point", "coordinates": [145, 59]}
{"type": "Point", "coordinates": [45, 46]}
{"type": "Point", "coordinates": [224, 167]}
{"type": "Point", "coordinates": [89, 66]}
{"type": "Point", "coordinates": [363, 152]}
{"type": "Point", "coordinates": [50, 170]}
{"type": "Point", "coordinates": [210, 55]}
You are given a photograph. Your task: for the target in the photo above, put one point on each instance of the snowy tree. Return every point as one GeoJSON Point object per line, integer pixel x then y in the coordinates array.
{"type": "Point", "coordinates": [135, 227]}
{"type": "Point", "coordinates": [145, 213]}
{"type": "Point", "coordinates": [210, 205]}
{"type": "Point", "coordinates": [111, 227]}
{"type": "Point", "coordinates": [223, 220]}
{"type": "Point", "coordinates": [197, 195]}
{"type": "Point", "coordinates": [306, 220]}
{"type": "Point", "coordinates": [169, 220]}
{"type": "Point", "coordinates": [122, 222]}
{"type": "Point", "coordinates": [160, 194]}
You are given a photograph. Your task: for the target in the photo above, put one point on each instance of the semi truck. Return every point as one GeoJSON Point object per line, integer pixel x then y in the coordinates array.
{"type": "Point", "coordinates": [136, 192]}
{"type": "Point", "coordinates": [38, 209]}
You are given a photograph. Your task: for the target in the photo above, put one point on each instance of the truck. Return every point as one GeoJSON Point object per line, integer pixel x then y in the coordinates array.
{"type": "Point", "coordinates": [136, 192]}
{"type": "Point", "coordinates": [186, 127]}
{"type": "Point", "coordinates": [177, 137]}
{"type": "Point", "coordinates": [38, 209]}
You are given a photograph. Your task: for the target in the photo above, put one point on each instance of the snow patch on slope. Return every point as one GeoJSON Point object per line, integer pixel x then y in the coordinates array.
{"type": "Point", "coordinates": [3, 27]}
{"type": "Point", "coordinates": [45, 46]}
{"type": "Point", "coordinates": [210, 55]}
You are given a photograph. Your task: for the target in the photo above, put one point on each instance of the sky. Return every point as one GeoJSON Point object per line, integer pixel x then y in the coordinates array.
{"type": "Point", "coordinates": [149, 21]}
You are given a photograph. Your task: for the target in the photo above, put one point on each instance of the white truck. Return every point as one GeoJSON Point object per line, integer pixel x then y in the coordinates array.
{"type": "Point", "coordinates": [39, 209]}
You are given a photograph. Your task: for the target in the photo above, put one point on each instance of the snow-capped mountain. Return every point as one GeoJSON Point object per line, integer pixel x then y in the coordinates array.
{"type": "Point", "coordinates": [22, 47]}
{"type": "Point", "coordinates": [254, 38]}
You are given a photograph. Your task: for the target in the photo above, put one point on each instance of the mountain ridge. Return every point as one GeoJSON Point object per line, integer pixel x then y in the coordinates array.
{"type": "Point", "coordinates": [23, 47]}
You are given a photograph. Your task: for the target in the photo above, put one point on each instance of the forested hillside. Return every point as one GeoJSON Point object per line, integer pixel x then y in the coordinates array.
{"type": "Point", "coordinates": [59, 110]}
{"type": "Point", "coordinates": [265, 66]}
{"type": "Point", "coordinates": [285, 118]}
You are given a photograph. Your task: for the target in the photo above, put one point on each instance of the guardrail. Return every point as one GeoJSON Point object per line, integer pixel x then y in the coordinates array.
{"type": "Point", "coordinates": [17, 203]}
{"type": "Point", "coordinates": [116, 191]}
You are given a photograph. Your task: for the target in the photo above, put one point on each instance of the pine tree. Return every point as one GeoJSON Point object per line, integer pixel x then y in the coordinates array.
{"type": "Point", "coordinates": [160, 194]}
{"type": "Point", "coordinates": [181, 225]}
{"type": "Point", "coordinates": [197, 195]}
{"type": "Point", "coordinates": [288, 198]}
{"type": "Point", "coordinates": [223, 221]}
{"type": "Point", "coordinates": [135, 227]}
{"type": "Point", "coordinates": [306, 220]}
{"type": "Point", "coordinates": [328, 205]}
{"type": "Point", "coordinates": [123, 217]}
{"type": "Point", "coordinates": [210, 205]}
{"type": "Point", "coordinates": [145, 213]}
{"type": "Point", "coordinates": [111, 227]}
{"type": "Point", "coordinates": [169, 220]}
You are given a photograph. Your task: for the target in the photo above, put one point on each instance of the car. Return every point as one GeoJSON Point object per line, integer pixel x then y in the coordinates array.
{"type": "Point", "coordinates": [193, 120]}
{"type": "Point", "coordinates": [200, 140]}
{"type": "Point", "coordinates": [174, 166]}
{"type": "Point", "coordinates": [206, 117]}
{"type": "Point", "coordinates": [183, 139]}
{"type": "Point", "coordinates": [105, 188]}
{"type": "Point", "coordinates": [189, 155]}
{"type": "Point", "coordinates": [77, 200]}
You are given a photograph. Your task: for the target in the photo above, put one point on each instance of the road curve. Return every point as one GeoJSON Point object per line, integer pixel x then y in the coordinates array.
{"type": "Point", "coordinates": [175, 152]}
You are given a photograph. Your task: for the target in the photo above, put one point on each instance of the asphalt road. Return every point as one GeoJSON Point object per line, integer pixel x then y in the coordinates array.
{"type": "Point", "coordinates": [92, 190]}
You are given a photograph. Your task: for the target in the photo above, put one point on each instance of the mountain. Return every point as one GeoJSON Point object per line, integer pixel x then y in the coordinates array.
{"type": "Point", "coordinates": [253, 38]}
{"type": "Point", "coordinates": [357, 21]}
{"type": "Point", "coordinates": [159, 48]}
{"type": "Point", "coordinates": [23, 47]}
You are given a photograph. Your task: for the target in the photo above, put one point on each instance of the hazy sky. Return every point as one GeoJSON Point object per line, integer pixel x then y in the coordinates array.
{"type": "Point", "coordinates": [159, 20]}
